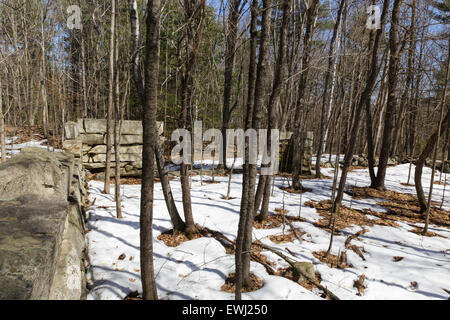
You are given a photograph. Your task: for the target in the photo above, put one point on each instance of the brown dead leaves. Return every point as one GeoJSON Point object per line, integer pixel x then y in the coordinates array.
{"type": "Point", "coordinates": [172, 239]}
{"type": "Point", "coordinates": [333, 261]}
{"type": "Point", "coordinates": [401, 207]}
{"type": "Point", "coordinates": [345, 218]}
{"type": "Point", "coordinates": [230, 284]}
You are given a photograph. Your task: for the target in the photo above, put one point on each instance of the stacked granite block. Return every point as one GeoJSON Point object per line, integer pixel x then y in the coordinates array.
{"type": "Point", "coordinates": [86, 139]}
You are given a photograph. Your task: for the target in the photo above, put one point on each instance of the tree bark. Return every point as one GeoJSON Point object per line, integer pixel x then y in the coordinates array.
{"type": "Point", "coordinates": [296, 137]}
{"type": "Point", "coordinates": [279, 78]}
{"type": "Point", "coordinates": [107, 187]}
{"type": "Point", "coordinates": [366, 94]}
{"type": "Point", "coordinates": [192, 45]}
{"type": "Point", "coordinates": [230, 53]}
{"type": "Point", "coordinates": [245, 230]}
{"type": "Point", "coordinates": [149, 139]}
{"type": "Point", "coordinates": [117, 122]}
{"type": "Point", "coordinates": [248, 124]}
{"type": "Point", "coordinates": [327, 100]}
{"type": "Point", "coordinates": [2, 127]}
{"type": "Point", "coordinates": [177, 222]}
{"type": "Point", "coordinates": [392, 98]}
{"type": "Point", "coordinates": [432, 143]}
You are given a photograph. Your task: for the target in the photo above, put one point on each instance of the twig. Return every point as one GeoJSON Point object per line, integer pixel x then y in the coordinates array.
{"type": "Point", "coordinates": [293, 265]}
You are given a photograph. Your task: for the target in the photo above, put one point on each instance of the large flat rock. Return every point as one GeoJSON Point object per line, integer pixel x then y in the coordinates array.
{"type": "Point", "coordinates": [33, 210]}
{"type": "Point", "coordinates": [31, 230]}
{"type": "Point", "coordinates": [128, 127]}
{"type": "Point", "coordinates": [36, 171]}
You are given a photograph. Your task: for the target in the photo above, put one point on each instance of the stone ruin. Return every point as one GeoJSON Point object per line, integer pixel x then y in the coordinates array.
{"type": "Point", "coordinates": [86, 140]}
{"type": "Point", "coordinates": [306, 150]}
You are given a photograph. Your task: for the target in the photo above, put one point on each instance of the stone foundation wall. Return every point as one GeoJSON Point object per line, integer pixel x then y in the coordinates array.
{"type": "Point", "coordinates": [306, 143]}
{"type": "Point", "coordinates": [42, 226]}
{"type": "Point", "coordinates": [86, 140]}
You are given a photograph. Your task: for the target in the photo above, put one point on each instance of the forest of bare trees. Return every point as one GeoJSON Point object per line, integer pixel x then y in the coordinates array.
{"type": "Point", "coordinates": [293, 65]}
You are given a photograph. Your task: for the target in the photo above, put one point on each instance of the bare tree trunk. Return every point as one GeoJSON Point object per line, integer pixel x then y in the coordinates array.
{"type": "Point", "coordinates": [409, 78]}
{"type": "Point", "coordinates": [432, 144]}
{"type": "Point", "coordinates": [149, 127]}
{"type": "Point", "coordinates": [42, 79]}
{"type": "Point", "coordinates": [392, 99]}
{"type": "Point", "coordinates": [231, 39]}
{"type": "Point", "coordinates": [366, 94]}
{"type": "Point", "coordinates": [192, 46]}
{"type": "Point", "coordinates": [296, 137]}
{"type": "Point", "coordinates": [279, 78]}
{"type": "Point", "coordinates": [107, 188]}
{"type": "Point", "coordinates": [248, 124]}
{"type": "Point", "coordinates": [327, 101]}
{"type": "Point", "coordinates": [246, 218]}
{"type": "Point", "coordinates": [2, 127]}
{"type": "Point", "coordinates": [117, 122]}
{"type": "Point", "coordinates": [177, 222]}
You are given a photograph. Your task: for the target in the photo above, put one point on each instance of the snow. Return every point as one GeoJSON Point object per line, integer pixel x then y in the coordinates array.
{"type": "Point", "coordinates": [13, 149]}
{"type": "Point", "coordinates": [197, 269]}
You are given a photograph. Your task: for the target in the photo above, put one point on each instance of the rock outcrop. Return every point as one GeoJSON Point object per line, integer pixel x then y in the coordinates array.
{"type": "Point", "coordinates": [42, 247]}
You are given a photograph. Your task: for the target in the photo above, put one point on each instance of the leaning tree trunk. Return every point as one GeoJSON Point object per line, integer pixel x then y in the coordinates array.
{"type": "Point", "coordinates": [432, 143]}
{"type": "Point", "coordinates": [274, 99]}
{"type": "Point", "coordinates": [426, 152]}
{"type": "Point", "coordinates": [392, 98]}
{"type": "Point", "coordinates": [177, 222]}
{"type": "Point", "coordinates": [296, 137]}
{"type": "Point", "coordinates": [327, 101]}
{"type": "Point", "coordinates": [149, 141]}
{"type": "Point", "coordinates": [366, 94]}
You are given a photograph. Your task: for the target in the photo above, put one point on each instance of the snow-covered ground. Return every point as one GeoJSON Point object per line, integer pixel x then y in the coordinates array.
{"type": "Point", "coordinates": [197, 269]}
{"type": "Point", "coordinates": [13, 148]}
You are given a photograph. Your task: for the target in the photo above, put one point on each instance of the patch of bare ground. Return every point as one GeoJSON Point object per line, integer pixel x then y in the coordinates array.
{"type": "Point", "coordinates": [407, 184]}
{"type": "Point", "coordinates": [288, 175]}
{"type": "Point", "coordinates": [286, 236]}
{"type": "Point", "coordinates": [292, 190]}
{"type": "Point", "coordinates": [128, 180]}
{"type": "Point", "coordinates": [353, 168]}
{"type": "Point", "coordinates": [230, 284]}
{"type": "Point", "coordinates": [274, 221]}
{"type": "Point", "coordinates": [359, 285]}
{"type": "Point", "coordinates": [281, 210]}
{"type": "Point", "coordinates": [419, 231]}
{"type": "Point", "coordinates": [172, 239]}
{"type": "Point", "coordinates": [23, 134]}
{"type": "Point", "coordinates": [345, 218]}
{"type": "Point", "coordinates": [401, 206]}
{"type": "Point", "coordinates": [442, 183]}
{"type": "Point", "coordinates": [365, 192]}
{"type": "Point", "coordinates": [333, 261]}
{"type": "Point", "coordinates": [135, 296]}
{"type": "Point", "coordinates": [291, 274]}
{"type": "Point", "coordinates": [211, 182]}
